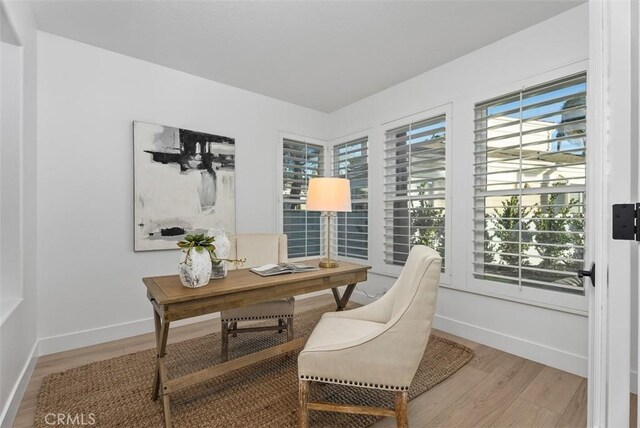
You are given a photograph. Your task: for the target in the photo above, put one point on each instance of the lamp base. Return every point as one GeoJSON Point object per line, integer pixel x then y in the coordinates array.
{"type": "Point", "coordinates": [328, 264]}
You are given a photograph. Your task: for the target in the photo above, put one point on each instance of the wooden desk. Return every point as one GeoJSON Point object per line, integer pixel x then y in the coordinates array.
{"type": "Point", "coordinates": [171, 302]}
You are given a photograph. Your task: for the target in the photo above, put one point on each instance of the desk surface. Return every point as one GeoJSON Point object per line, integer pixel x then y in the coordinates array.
{"type": "Point", "coordinates": [168, 289]}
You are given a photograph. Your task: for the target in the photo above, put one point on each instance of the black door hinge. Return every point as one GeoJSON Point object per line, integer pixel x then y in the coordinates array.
{"type": "Point", "coordinates": [625, 222]}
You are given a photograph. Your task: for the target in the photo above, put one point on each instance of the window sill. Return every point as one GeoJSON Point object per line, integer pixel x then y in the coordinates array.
{"type": "Point", "coordinates": [524, 301]}
{"type": "Point", "coordinates": [7, 307]}
{"type": "Point", "coordinates": [579, 309]}
{"type": "Point", "coordinates": [394, 272]}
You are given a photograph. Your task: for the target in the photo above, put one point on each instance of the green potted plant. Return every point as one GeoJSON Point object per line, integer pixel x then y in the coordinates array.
{"type": "Point", "coordinates": [199, 260]}
{"type": "Point", "coordinates": [198, 252]}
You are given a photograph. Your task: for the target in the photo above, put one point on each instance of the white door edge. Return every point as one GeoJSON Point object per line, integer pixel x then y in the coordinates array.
{"type": "Point", "coordinates": [611, 180]}
{"type": "Point", "coordinates": [597, 379]}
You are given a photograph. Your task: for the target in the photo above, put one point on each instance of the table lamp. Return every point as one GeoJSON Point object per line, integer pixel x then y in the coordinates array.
{"type": "Point", "coordinates": [329, 195]}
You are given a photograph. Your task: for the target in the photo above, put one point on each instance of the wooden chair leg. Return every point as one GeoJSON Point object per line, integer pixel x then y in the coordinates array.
{"type": "Point", "coordinates": [303, 402]}
{"type": "Point", "coordinates": [290, 328]}
{"type": "Point", "coordinates": [234, 328]}
{"type": "Point", "coordinates": [224, 349]}
{"type": "Point", "coordinates": [402, 417]}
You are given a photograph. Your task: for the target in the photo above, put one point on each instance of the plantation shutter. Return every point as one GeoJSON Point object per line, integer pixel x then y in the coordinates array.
{"type": "Point", "coordinates": [350, 160]}
{"type": "Point", "coordinates": [300, 162]}
{"type": "Point", "coordinates": [415, 176]}
{"type": "Point", "coordinates": [529, 186]}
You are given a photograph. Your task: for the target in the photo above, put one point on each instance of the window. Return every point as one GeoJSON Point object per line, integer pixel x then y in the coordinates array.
{"type": "Point", "coordinates": [300, 162]}
{"type": "Point", "coordinates": [414, 174]}
{"type": "Point", "coordinates": [529, 186]}
{"type": "Point", "coordinates": [350, 160]}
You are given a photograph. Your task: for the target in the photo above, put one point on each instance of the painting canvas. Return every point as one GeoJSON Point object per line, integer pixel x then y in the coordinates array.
{"type": "Point", "coordinates": [184, 184]}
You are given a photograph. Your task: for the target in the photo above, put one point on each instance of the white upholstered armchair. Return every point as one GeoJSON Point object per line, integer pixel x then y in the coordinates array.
{"type": "Point", "coordinates": [379, 345]}
{"type": "Point", "coordinates": [259, 249]}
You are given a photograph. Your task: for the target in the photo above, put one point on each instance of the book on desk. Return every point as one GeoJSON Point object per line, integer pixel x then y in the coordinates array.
{"type": "Point", "coordinates": [272, 269]}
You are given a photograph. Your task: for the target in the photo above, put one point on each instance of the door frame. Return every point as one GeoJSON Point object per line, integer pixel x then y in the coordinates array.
{"type": "Point", "coordinates": [612, 181]}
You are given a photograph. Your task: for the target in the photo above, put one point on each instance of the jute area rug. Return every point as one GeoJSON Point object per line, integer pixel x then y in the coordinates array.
{"type": "Point", "coordinates": [117, 392]}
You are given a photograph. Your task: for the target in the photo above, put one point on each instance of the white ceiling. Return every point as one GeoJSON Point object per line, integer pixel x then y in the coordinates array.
{"type": "Point", "coordinates": [319, 54]}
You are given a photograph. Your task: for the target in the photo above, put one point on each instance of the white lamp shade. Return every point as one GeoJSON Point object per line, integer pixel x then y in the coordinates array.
{"type": "Point", "coordinates": [329, 194]}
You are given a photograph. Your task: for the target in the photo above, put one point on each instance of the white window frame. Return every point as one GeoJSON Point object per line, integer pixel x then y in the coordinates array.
{"type": "Point", "coordinates": [446, 110]}
{"type": "Point", "coordinates": [329, 171]}
{"type": "Point", "coordinates": [280, 183]}
{"type": "Point", "coordinates": [551, 299]}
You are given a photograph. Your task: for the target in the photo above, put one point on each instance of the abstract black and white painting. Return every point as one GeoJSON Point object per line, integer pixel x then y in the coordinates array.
{"type": "Point", "coordinates": [184, 183]}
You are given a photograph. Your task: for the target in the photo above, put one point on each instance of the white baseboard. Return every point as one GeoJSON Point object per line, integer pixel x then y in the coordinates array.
{"type": "Point", "coordinates": [540, 353]}
{"type": "Point", "coordinates": [359, 297]}
{"type": "Point", "coordinates": [14, 399]}
{"type": "Point", "coordinates": [312, 294]}
{"type": "Point", "coordinates": [94, 336]}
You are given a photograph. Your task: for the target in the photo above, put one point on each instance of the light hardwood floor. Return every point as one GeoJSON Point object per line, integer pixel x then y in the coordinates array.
{"type": "Point", "coordinates": [494, 389]}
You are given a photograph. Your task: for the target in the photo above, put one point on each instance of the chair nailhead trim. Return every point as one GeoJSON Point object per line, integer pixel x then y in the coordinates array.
{"type": "Point", "coordinates": [256, 318]}
{"type": "Point", "coordinates": [350, 382]}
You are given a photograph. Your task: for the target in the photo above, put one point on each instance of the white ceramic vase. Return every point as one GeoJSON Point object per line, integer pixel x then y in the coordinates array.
{"type": "Point", "coordinates": [223, 248]}
{"type": "Point", "coordinates": [195, 268]}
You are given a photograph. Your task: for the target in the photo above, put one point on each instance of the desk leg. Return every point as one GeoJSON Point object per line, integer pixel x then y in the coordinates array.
{"type": "Point", "coordinates": [156, 376]}
{"type": "Point", "coordinates": [161, 377]}
{"type": "Point", "coordinates": [341, 301]}
{"type": "Point", "coordinates": [165, 397]}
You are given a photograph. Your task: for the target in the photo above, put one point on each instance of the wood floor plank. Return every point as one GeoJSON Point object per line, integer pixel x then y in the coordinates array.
{"type": "Point", "coordinates": [77, 357]}
{"type": "Point", "coordinates": [466, 342]}
{"type": "Point", "coordinates": [552, 389]}
{"type": "Point", "coordinates": [439, 398]}
{"type": "Point", "coordinates": [524, 414]}
{"type": "Point", "coordinates": [485, 402]}
{"type": "Point", "coordinates": [24, 420]}
{"type": "Point", "coordinates": [575, 414]}
{"type": "Point", "coordinates": [486, 359]}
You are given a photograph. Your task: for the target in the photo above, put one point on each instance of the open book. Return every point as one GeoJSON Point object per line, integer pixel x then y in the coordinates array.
{"type": "Point", "coordinates": [273, 269]}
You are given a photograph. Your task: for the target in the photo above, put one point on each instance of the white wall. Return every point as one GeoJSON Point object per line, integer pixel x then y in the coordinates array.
{"type": "Point", "coordinates": [88, 98]}
{"type": "Point", "coordinates": [557, 338]}
{"type": "Point", "coordinates": [90, 278]}
{"type": "Point", "coordinates": [10, 171]}
{"type": "Point", "coordinates": [18, 326]}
